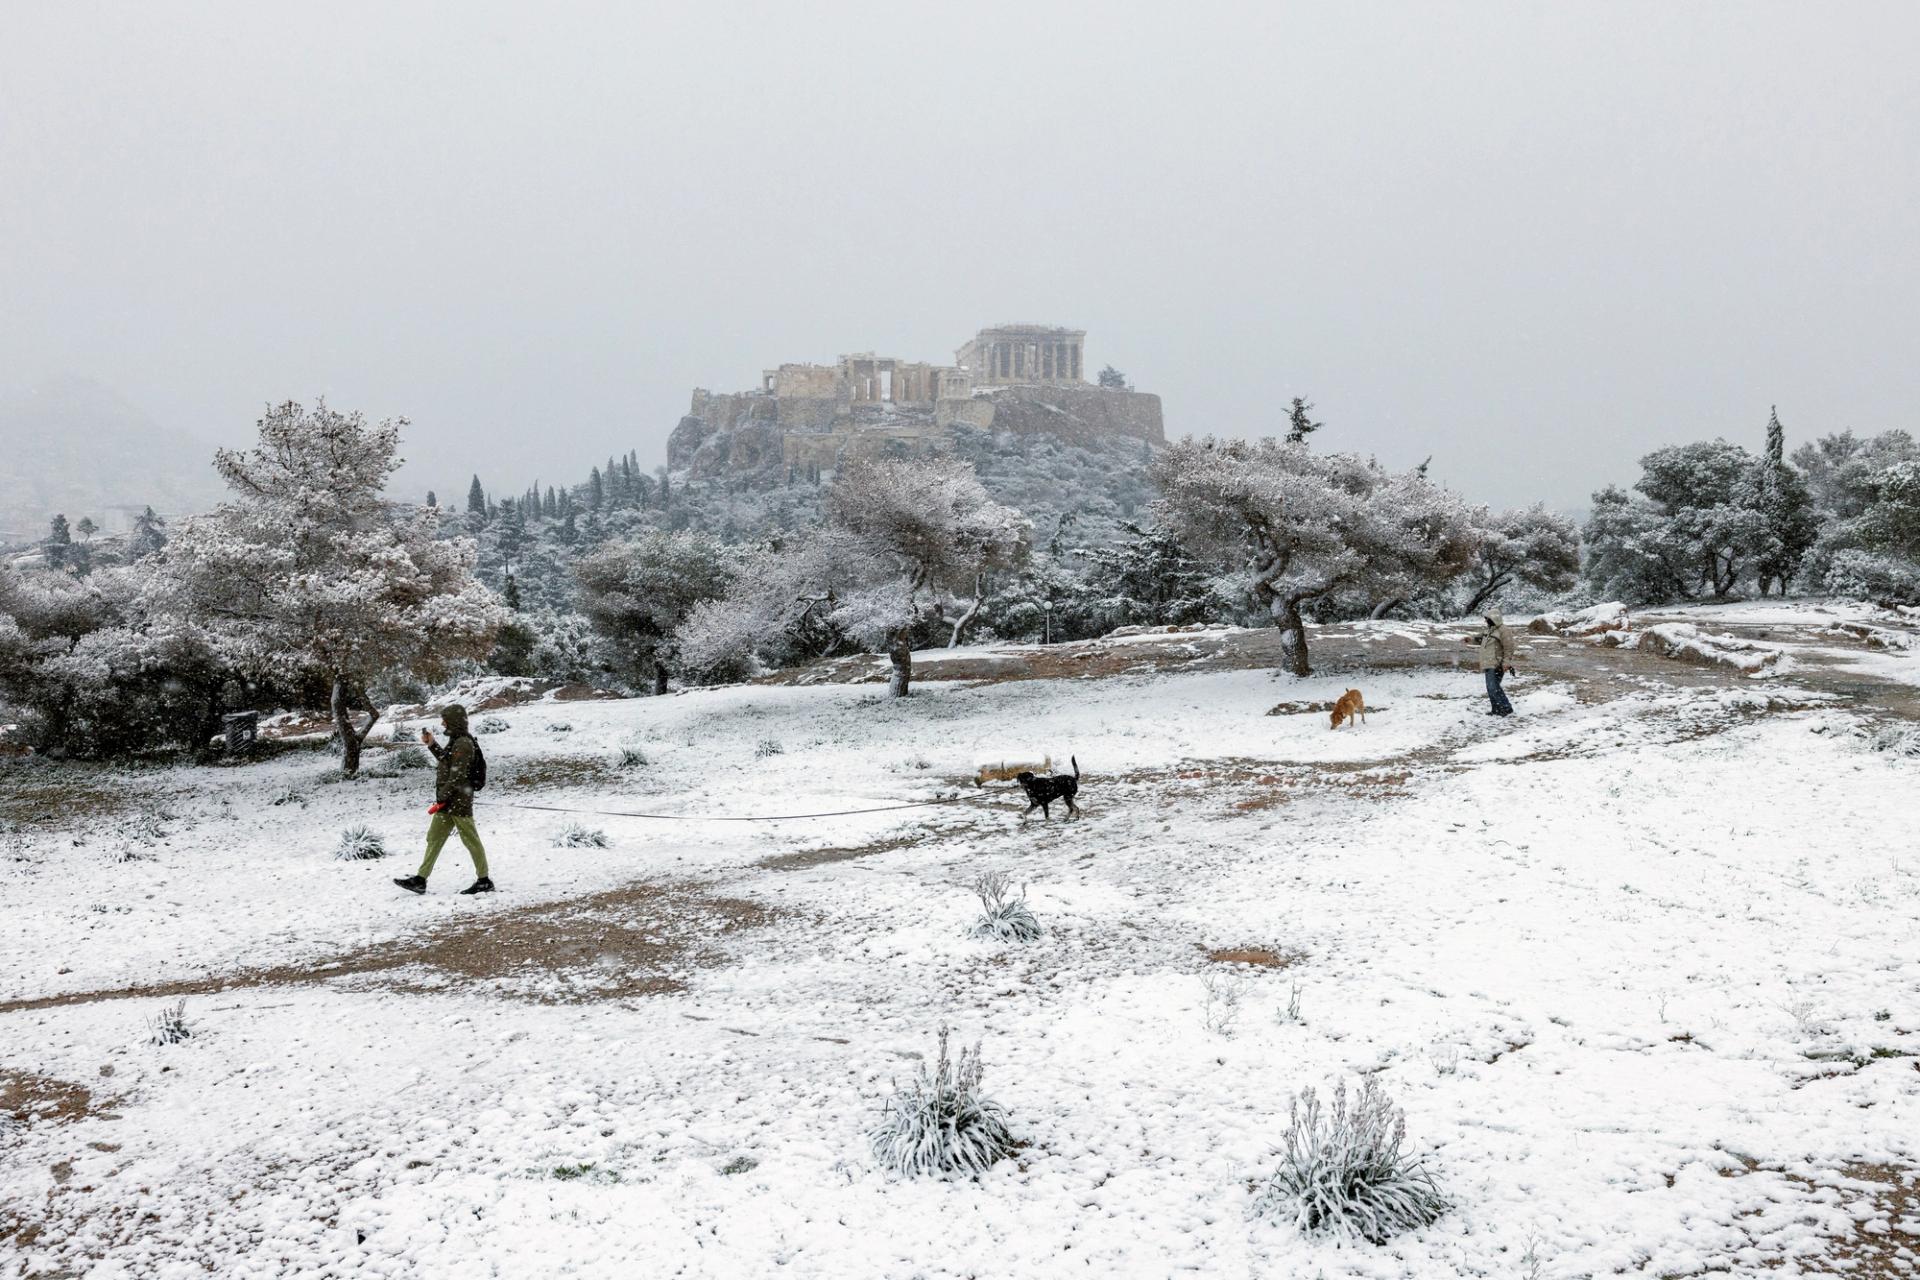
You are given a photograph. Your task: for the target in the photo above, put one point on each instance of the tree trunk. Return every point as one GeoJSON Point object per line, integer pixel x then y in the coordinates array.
{"type": "Point", "coordinates": [900, 683]}
{"type": "Point", "coordinates": [1385, 607]}
{"type": "Point", "coordinates": [351, 738]}
{"type": "Point", "coordinates": [973, 610]}
{"type": "Point", "coordinates": [1490, 588]}
{"type": "Point", "coordinates": [1293, 635]}
{"type": "Point", "coordinates": [659, 678]}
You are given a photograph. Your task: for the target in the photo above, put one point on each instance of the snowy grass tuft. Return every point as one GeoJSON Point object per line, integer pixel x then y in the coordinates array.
{"type": "Point", "coordinates": [632, 758]}
{"type": "Point", "coordinates": [560, 726]}
{"type": "Point", "coordinates": [578, 835]}
{"type": "Point", "coordinates": [768, 747]}
{"type": "Point", "coordinates": [491, 724]}
{"type": "Point", "coordinates": [360, 843]}
{"type": "Point", "coordinates": [410, 758]}
{"type": "Point", "coordinates": [1224, 992]}
{"type": "Point", "coordinates": [170, 1025]}
{"type": "Point", "coordinates": [1344, 1171]}
{"type": "Point", "coordinates": [940, 1124]}
{"type": "Point", "coordinates": [1003, 918]}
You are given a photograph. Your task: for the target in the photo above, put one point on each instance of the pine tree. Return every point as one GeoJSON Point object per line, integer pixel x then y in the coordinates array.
{"type": "Point", "coordinates": [1299, 425]}
{"type": "Point", "coordinates": [512, 594]}
{"type": "Point", "coordinates": [147, 537]}
{"type": "Point", "coordinates": [551, 507]}
{"type": "Point", "coordinates": [596, 493]}
{"type": "Point", "coordinates": [431, 500]}
{"type": "Point", "coordinates": [569, 532]}
{"type": "Point", "coordinates": [59, 542]}
{"type": "Point", "coordinates": [86, 528]}
{"type": "Point", "coordinates": [476, 498]}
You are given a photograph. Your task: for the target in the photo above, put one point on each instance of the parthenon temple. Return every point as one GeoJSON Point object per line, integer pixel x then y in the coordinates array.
{"type": "Point", "coordinates": [1004, 356]}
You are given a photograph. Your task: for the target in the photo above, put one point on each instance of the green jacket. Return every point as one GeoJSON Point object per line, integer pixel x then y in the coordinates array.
{"type": "Point", "coordinates": [453, 776]}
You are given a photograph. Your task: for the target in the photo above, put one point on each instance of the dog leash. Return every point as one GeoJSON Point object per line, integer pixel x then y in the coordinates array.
{"type": "Point", "coordinates": [696, 817]}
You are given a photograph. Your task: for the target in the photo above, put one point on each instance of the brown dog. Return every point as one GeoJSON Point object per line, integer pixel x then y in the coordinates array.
{"type": "Point", "coordinates": [1351, 704]}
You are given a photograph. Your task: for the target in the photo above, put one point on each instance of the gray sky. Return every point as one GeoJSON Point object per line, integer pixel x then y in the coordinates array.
{"type": "Point", "coordinates": [1531, 240]}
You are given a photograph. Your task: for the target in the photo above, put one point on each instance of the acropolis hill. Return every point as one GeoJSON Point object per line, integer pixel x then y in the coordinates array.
{"type": "Point", "coordinates": [1024, 378]}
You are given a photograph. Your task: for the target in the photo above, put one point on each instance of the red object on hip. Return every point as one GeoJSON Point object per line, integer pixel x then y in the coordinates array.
{"type": "Point", "coordinates": [435, 807]}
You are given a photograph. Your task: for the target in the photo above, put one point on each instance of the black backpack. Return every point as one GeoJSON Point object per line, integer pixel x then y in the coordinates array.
{"type": "Point", "coordinates": [477, 771]}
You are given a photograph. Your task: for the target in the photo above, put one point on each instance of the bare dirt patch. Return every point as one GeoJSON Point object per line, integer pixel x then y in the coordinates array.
{"type": "Point", "coordinates": [27, 1099]}
{"type": "Point", "coordinates": [34, 792]}
{"type": "Point", "coordinates": [637, 940]}
{"type": "Point", "coordinates": [551, 772]}
{"type": "Point", "coordinates": [807, 858]}
{"type": "Point", "coordinates": [1259, 957]}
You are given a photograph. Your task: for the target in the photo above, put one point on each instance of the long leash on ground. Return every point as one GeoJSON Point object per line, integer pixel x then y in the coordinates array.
{"type": "Point", "coordinates": [700, 817]}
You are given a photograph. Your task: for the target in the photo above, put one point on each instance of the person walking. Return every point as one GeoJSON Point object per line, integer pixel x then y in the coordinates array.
{"type": "Point", "coordinates": [1496, 661]}
{"type": "Point", "coordinates": [458, 772]}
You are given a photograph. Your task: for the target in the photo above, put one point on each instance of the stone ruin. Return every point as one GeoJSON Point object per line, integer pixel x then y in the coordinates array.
{"type": "Point", "coordinates": [1024, 378]}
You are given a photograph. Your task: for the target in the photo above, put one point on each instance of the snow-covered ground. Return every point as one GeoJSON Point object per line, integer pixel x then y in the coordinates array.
{"type": "Point", "coordinates": [1640, 964]}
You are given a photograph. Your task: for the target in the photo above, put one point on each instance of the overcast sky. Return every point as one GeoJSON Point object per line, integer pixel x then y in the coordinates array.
{"type": "Point", "coordinates": [1531, 240]}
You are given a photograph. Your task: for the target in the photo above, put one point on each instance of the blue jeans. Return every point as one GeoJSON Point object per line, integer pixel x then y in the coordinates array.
{"type": "Point", "coordinates": [1495, 694]}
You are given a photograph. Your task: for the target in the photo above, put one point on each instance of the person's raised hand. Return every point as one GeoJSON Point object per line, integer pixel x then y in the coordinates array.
{"type": "Point", "coordinates": [426, 736]}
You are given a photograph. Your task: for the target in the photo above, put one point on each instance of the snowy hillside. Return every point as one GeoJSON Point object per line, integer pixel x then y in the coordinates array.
{"type": "Point", "coordinates": [1639, 964]}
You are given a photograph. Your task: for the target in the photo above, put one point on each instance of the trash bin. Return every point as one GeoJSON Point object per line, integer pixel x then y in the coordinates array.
{"type": "Point", "coordinates": [242, 729]}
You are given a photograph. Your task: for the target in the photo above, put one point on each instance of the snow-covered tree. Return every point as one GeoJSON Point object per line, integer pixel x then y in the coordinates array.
{"type": "Point", "coordinates": [148, 537]}
{"type": "Point", "coordinates": [1113, 379]}
{"type": "Point", "coordinates": [790, 601]}
{"type": "Point", "coordinates": [931, 520]}
{"type": "Point", "coordinates": [477, 500]}
{"type": "Point", "coordinates": [1699, 530]}
{"type": "Point", "coordinates": [637, 594]}
{"type": "Point", "coordinates": [1306, 526]}
{"type": "Point", "coordinates": [306, 568]}
{"type": "Point", "coordinates": [89, 668]}
{"type": "Point", "coordinates": [1788, 524]}
{"type": "Point", "coordinates": [86, 528]}
{"type": "Point", "coordinates": [1300, 423]}
{"type": "Point", "coordinates": [1531, 545]}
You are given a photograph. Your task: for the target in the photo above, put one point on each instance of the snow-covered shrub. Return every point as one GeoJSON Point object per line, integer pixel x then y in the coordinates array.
{"type": "Point", "coordinates": [768, 747]}
{"type": "Point", "coordinates": [360, 844]}
{"type": "Point", "coordinates": [560, 726]}
{"type": "Point", "coordinates": [170, 1025]}
{"type": "Point", "coordinates": [1895, 739]}
{"type": "Point", "coordinates": [632, 758]}
{"type": "Point", "coordinates": [13, 844]}
{"type": "Point", "coordinates": [577, 835]}
{"type": "Point", "coordinates": [1864, 575]}
{"type": "Point", "coordinates": [940, 1123]}
{"type": "Point", "coordinates": [1446, 1058]}
{"type": "Point", "coordinates": [1291, 1013]}
{"type": "Point", "coordinates": [125, 853]}
{"type": "Point", "coordinates": [409, 758]}
{"type": "Point", "coordinates": [1003, 918]}
{"type": "Point", "coordinates": [491, 724]}
{"type": "Point", "coordinates": [1344, 1171]}
{"type": "Point", "coordinates": [288, 795]}
{"type": "Point", "coordinates": [1224, 993]}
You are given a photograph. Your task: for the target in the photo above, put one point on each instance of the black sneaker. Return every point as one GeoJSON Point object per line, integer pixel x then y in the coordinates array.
{"type": "Point", "coordinates": [482, 885]}
{"type": "Point", "coordinates": [412, 884]}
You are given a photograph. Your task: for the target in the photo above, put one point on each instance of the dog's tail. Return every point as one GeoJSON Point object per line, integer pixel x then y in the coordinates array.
{"type": "Point", "coordinates": [1076, 768]}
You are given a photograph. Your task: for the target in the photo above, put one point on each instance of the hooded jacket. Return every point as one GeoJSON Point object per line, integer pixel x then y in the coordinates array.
{"type": "Point", "coordinates": [1496, 644]}
{"type": "Point", "coordinates": [453, 776]}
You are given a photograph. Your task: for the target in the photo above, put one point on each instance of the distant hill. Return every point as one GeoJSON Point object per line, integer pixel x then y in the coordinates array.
{"type": "Point", "coordinates": [78, 447]}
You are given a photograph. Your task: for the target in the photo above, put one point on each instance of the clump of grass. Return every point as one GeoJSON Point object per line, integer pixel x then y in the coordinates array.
{"type": "Point", "coordinates": [170, 1025]}
{"type": "Point", "coordinates": [413, 757]}
{"type": "Point", "coordinates": [632, 757]}
{"type": "Point", "coordinates": [768, 747]}
{"type": "Point", "coordinates": [491, 724]}
{"type": "Point", "coordinates": [360, 843]}
{"type": "Point", "coordinates": [739, 1164]}
{"type": "Point", "coordinates": [577, 835]}
{"type": "Point", "coordinates": [288, 795]}
{"type": "Point", "coordinates": [560, 726]}
{"type": "Point", "coordinates": [1344, 1170]}
{"type": "Point", "coordinates": [1292, 1011]}
{"type": "Point", "coordinates": [122, 854]}
{"type": "Point", "coordinates": [941, 1124]}
{"type": "Point", "coordinates": [1003, 918]}
{"type": "Point", "coordinates": [1224, 991]}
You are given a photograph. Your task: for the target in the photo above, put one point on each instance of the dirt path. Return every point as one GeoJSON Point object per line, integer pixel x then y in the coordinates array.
{"type": "Point", "coordinates": [639, 939]}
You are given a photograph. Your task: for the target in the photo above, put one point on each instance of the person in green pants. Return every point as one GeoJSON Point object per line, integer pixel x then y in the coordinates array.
{"type": "Point", "coordinates": [452, 802]}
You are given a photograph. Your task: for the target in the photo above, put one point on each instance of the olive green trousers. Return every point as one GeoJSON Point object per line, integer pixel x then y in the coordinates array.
{"type": "Point", "coordinates": [444, 825]}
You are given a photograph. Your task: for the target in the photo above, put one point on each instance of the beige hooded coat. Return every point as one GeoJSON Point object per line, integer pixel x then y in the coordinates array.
{"type": "Point", "coordinates": [1496, 644]}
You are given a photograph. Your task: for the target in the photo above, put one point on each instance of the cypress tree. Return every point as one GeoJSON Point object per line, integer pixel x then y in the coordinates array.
{"type": "Point", "coordinates": [595, 493]}
{"type": "Point", "coordinates": [476, 498]}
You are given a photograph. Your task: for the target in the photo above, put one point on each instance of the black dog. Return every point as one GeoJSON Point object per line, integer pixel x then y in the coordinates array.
{"type": "Point", "coordinates": [1042, 792]}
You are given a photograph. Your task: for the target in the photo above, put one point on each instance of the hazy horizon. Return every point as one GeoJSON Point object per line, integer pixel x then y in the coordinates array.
{"type": "Point", "coordinates": [1532, 243]}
